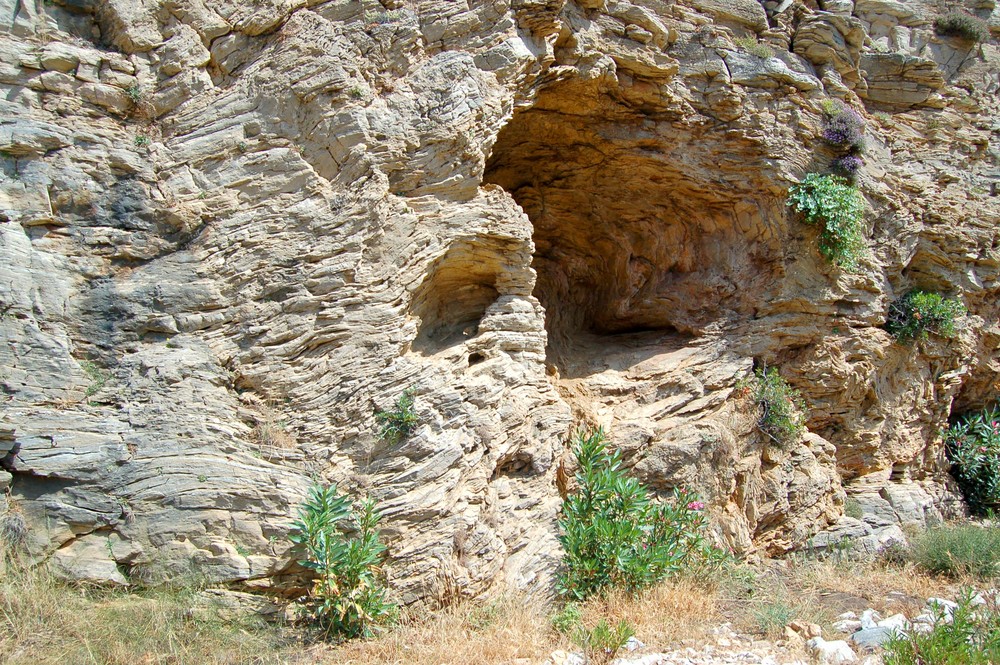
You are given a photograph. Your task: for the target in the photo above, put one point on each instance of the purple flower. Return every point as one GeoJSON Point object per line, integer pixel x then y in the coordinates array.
{"type": "Point", "coordinates": [848, 164]}
{"type": "Point", "coordinates": [845, 128]}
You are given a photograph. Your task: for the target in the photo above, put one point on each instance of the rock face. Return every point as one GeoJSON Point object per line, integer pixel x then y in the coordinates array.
{"type": "Point", "coordinates": [233, 231]}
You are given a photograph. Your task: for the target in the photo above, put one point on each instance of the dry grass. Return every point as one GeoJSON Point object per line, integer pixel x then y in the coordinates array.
{"type": "Point", "coordinates": [496, 632]}
{"type": "Point", "coordinates": [672, 612]}
{"type": "Point", "coordinates": [46, 622]}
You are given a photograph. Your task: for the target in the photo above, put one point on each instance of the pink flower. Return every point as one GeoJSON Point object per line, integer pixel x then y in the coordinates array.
{"type": "Point", "coordinates": [696, 505]}
{"type": "Point", "coordinates": [982, 449]}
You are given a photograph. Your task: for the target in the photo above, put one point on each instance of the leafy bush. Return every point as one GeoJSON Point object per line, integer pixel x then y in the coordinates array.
{"type": "Point", "coordinates": [970, 636]}
{"type": "Point", "coordinates": [396, 425]}
{"type": "Point", "coordinates": [614, 535]}
{"type": "Point", "coordinates": [568, 618]}
{"type": "Point", "coordinates": [973, 447]}
{"type": "Point", "coordinates": [845, 128]}
{"type": "Point", "coordinates": [779, 406]}
{"type": "Point", "coordinates": [348, 598]}
{"type": "Point", "coordinates": [958, 550]}
{"type": "Point", "coordinates": [753, 47]}
{"type": "Point", "coordinates": [920, 312]}
{"type": "Point", "coordinates": [602, 642]}
{"type": "Point", "coordinates": [832, 203]}
{"type": "Point", "coordinates": [962, 25]}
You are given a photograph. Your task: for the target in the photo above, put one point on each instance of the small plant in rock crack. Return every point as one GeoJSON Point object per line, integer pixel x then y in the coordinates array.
{"type": "Point", "coordinates": [98, 377]}
{"type": "Point", "coordinates": [614, 535]}
{"type": "Point", "coordinates": [398, 423]}
{"type": "Point", "coordinates": [918, 313]}
{"type": "Point", "coordinates": [600, 643]}
{"type": "Point", "coordinates": [973, 448]}
{"type": "Point", "coordinates": [135, 93]}
{"type": "Point", "coordinates": [779, 405]}
{"type": "Point", "coordinates": [142, 141]}
{"type": "Point", "coordinates": [348, 598]}
{"type": "Point", "coordinates": [753, 47]}
{"type": "Point", "coordinates": [963, 26]}
{"type": "Point", "coordinates": [837, 207]}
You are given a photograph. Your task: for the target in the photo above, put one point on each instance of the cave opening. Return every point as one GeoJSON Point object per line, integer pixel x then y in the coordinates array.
{"type": "Point", "coordinates": [648, 231]}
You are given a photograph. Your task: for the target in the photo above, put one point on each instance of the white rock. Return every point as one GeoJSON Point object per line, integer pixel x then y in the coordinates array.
{"type": "Point", "coordinates": [834, 652]}
{"type": "Point", "coordinates": [870, 619]}
{"type": "Point", "coordinates": [897, 621]}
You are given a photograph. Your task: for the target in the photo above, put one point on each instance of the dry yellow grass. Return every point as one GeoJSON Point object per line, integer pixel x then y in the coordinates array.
{"type": "Point", "coordinates": [45, 622]}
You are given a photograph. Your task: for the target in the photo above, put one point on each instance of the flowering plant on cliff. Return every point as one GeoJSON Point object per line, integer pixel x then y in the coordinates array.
{"type": "Point", "coordinates": [615, 535]}
{"type": "Point", "coordinates": [973, 447]}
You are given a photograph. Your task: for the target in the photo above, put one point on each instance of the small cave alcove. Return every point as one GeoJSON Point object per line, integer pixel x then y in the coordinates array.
{"type": "Point", "coordinates": [454, 296]}
{"type": "Point", "coordinates": [647, 231]}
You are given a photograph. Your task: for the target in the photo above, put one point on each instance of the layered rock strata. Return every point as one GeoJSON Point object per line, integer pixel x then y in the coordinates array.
{"type": "Point", "coordinates": [234, 231]}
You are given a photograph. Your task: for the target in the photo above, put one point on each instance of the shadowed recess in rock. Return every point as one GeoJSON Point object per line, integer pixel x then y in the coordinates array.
{"type": "Point", "coordinates": [637, 227]}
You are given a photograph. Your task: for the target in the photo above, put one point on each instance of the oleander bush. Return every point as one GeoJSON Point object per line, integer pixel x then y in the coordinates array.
{"type": "Point", "coordinates": [615, 535]}
{"type": "Point", "coordinates": [918, 313]}
{"type": "Point", "coordinates": [973, 447]}
{"type": "Point", "coordinates": [348, 598]}
{"type": "Point", "coordinates": [837, 207]}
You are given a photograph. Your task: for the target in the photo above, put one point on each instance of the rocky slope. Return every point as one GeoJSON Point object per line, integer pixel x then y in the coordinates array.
{"type": "Point", "coordinates": [233, 231]}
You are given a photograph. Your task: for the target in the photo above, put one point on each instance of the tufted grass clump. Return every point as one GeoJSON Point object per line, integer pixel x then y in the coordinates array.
{"type": "Point", "coordinates": [398, 423]}
{"type": "Point", "coordinates": [963, 26]}
{"type": "Point", "coordinates": [918, 313]}
{"type": "Point", "coordinates": [973, 448]}
{"type": "Point", "coordinates": [837, 207]}
{"type": "Point", "coordinates": [753, 47]}
{"type": "Point", "coordinates": [615, 536]}
{"type": "Point", "coordinates": [348, 598]}
{"type": "Point", "coordinates": [779, 406]}
{"type": "Point", "coordinates": [958, 551]}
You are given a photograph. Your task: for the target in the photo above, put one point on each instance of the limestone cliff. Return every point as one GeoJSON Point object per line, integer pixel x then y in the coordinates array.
{"type": "Point", "coordinates": [233, 230]}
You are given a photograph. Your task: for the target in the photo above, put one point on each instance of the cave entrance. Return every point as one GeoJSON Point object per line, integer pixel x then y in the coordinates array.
{"type": "Point", "coordinates": [647, 231]}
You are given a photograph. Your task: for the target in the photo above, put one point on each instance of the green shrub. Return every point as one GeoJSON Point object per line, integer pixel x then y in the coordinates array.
{"type": "Point", "coordinates": [836, 206]}
{"type": "Point", "coordinates": [614, 535]}
{"type": "Point", "coordinates": [568, 618]}
{"type": "Point", "coordinates": [971, 636]}
{"type": "Point", "coordinates": [973, 447]}
{"type": "Point", "coordinates": [753, 47]}
{"type": "Point", "coordinates": [779, 406]}
{"type": "Point", "coordinates": [920, 312]}
{"type": "Point", "coordinates": [962, 25]}
{"type": "Point", "coordinates": [772, 616]}
{"type": "Point", "coordinates": [396, 425]}
{"type": "Point", "coordinates": [958, 550]}
{"type": "Point", "coordinates": [602, 642]}
{"type": "Point", "coordinates": [348, 598]}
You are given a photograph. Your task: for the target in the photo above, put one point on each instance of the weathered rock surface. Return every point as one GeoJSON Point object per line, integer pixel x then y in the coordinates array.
{"type": "Point", "coordinates": [233, 237]}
